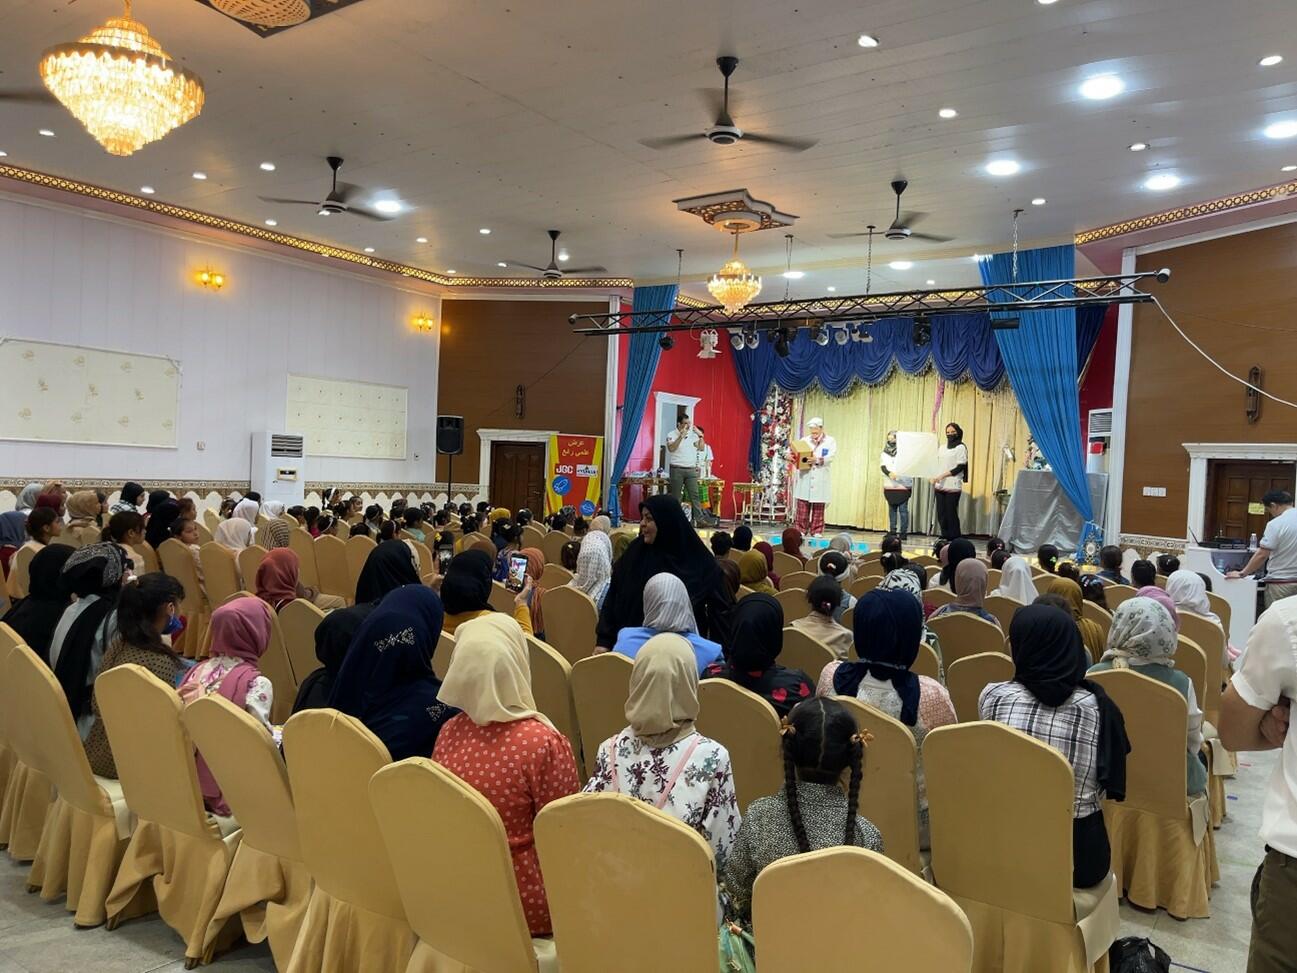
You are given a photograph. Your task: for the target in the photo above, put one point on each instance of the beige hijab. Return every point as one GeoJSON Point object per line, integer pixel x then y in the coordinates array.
{"type": "Point", "coordinates": [663, 700]}
{"type": "Point", "coordinates": [490, 673]}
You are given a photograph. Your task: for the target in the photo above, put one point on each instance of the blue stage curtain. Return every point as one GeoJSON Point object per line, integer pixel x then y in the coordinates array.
{"type": "Point", "coordinates": [755, 368]}
{"type": "Point", "coordinates": [1040, 357]}
{"type": "Point", "coordinates": [641, 366]}
{"type": "Point", "coordinates": [1089, 322]}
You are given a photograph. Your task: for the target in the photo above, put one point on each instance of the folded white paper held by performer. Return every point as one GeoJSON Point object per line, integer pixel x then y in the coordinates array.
{"type": "Point", "coordinates": [917, 455]}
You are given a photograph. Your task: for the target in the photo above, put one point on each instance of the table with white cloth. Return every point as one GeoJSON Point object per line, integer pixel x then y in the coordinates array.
{"type": "Point", "coordinates": [1040, 513]}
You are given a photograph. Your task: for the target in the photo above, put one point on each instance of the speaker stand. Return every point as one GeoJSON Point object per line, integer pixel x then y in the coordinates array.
{"type": "Point", "coordinates": [450, 477]}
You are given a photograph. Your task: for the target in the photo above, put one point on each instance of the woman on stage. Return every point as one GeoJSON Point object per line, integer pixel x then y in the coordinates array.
{"type": "Point", "coordinates": [950, 485]}
{"type": "Point", "coordinates": [896, 491]}
{"type": "Point", "coordinates": [812, 490]}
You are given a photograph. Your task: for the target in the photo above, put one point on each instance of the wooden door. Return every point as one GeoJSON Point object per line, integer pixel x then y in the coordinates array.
{"type": "Point", "coordinates": [1234, 485]}
{"type": "Point", "coordinates": [518, 476]}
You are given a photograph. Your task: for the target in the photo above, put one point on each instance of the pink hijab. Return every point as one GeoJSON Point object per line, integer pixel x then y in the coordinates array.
{"type": "Point", "coordinates": [1163, 599]}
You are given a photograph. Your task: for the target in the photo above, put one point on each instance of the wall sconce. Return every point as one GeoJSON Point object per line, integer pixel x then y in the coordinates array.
{"type": "Point", "coordinates": [210, 279]}
{"type": "Point", "coordinates": [423, 322]}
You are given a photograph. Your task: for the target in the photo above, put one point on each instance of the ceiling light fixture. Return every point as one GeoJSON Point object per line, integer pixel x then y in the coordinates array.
{"type": "Point", "coordinates": [1281, 130]}
{"type": "Point", "coordinates": [794, 274]}
{"type": "Point", "coordinates": [48, 133]}
{"type": "Point", "coordinates": [3, 154]}
{"type": "Point", "coordinates": [421, 239]}
{"type": "Point", "coordinates": [1289, 169]}
{"type": "Point", "coordinates": [485, 230]}
{"type": "Point", "coordinates": [121, 85]}
{"type": "Point", "coordinates": [450, 271]}
{"type": "Point", "coordinates": [388, 206]}
{"type": "Point", "coordinates": [1138, 146]}
{"type": "Point", "coordinates": [267, 167]}
{"type": "Point", "coordinates": [1102, 87]}
{"type": "Point", "coordinates": [931, 283]}
{"type": "Point", "coordinates": [501, 263]}
{"type": "Point", "coordinates": [1162, 181]}
{"type": "Point", "coordinates": [948, 113]}
{"type": "Point", "coordinates": [1047, 3]}
{"type": "Point", "coordinates": [272, 222]}
{"type": "Point", "coordinates": [831, 290]}
{"type": "Point", "coordinates": [200, 176]}
{"type": "Point", "coordinates": [369, 250]}
{"type": "Point", "coordinates": [564, 257]}
{"type": "Point", "coordinates": [1003, 167]}
{"type": "Point", "coordinates": [1270, 60]}
{"type": "Point", "coordinates": [1039, 201]}
{"type": "Point", "coordinates": [867, 40]}
{"type": "Point", "coordinates": [147, 190]}
{"type": "Point", "coordinates": [734, 286]}
{"type": "Point", "coordinates": [901, 264]}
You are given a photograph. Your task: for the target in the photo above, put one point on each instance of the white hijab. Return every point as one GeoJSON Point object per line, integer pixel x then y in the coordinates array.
{"type": "Point", "coordinates": [1189, 592]}
{"type": "Point", "coordinates": [1016, 582]}
{"type": "Point", "coordinates": [272, 509]}
{"type": "Point", "coordinates": [246, 510]}
{"type": "Point", "coordinates": [666, 605]}
{"type": "Point", "coordinates": [594, 565]}
{"type": "Point", "coordinates": [235, 533]}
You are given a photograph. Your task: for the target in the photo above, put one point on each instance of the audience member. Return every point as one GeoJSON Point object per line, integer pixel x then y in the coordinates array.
{"type": "Point", "coordinates": [13, 524]}
{"type": "Point", "coordinates": [594, 566]}
{"type": "Point", "coordinates": [730, 571]}
{"type": "Point", "coordinates": [667, 609]}
{"type": "Point", "coordinates": [274, 533]}
{"type": "Point", "coordinates": [756, 639]}
{"type": "Point", "coordinates": [580, 527]}
{"type": "Point", "coordinates": [1110, 565]}
{"type": "Point", "coordinates": [508, 542]}
{"type": "Point", "coordinates": [1068, 570]}
{"type": "Point", "coordinates": [742, 538]}
{"type": "Point", "coordinates": [721, 543]}
{"type": "Point", "coordinates": [360, 530]}
{"type": "Point", "coordinates": [994, 544]}
{"type": "Point", "coordinates": [1047, 558]}
{"type": "Point", "coordinates": [568, 555]}
{"type": "Point", "coordinates": [42, 525]}
{"type": "Point", "coordinates": [388, 566]}
{"type": "Point", "coordinates": [791, 543]}
{"type": "Point", "coordinates": [767, 552]}
{"type": "Point", "coordinates": [824, 622]}
{"type": "Point", "coordinates": [466, 592]}
{"type": "Point", "coordinates": [836, 565]}
{"type": "Point", "coordinates": [535, 593]}
{"type": "Point", "coordinates": [1143, 574]}
{"type": "Point", "coordinates": [94, 574]}
{"type": "Point", "coordinates": [1092, 590]}
{"type": "Point", "coordinates": [333, 636]}
{"type": "Point", "coordinates": [188, 509]}
{"type": "Point", "coordinates": [1189, 592]}
{"type": "Point", "coordinates": [83, 510]}
{"type": "Point", "coordinates": [1016, 581]}
{"type": "Point", "coordinates": [186, 532]}
{"type": "Point", "coordinates": [970, 591]}
{"type": "Point", "coordinates": [413, 524]}
{"type": "Point", "coordinates": [601, 523]}
{"type": "Point", "coordinates": [754, 572]}
{"type": "Point", "coordinates": [126, 530]}
{"type": "Point", "coordinates": [234, 534]}
{"type": "Point", "coordinates": [891, 544]}
{"type": "Point", "coordinates": [35, 617]}
{"type": "Point", "coordinates": [1167, 565]}
{"type": "Point", "coordinates": [129, 500]}
{"type": "Point", "coordinates": [958, 551]}
{"type": "Point", "coordinates": [277, 581]}
{"type": "Point", "coordinates": [1160, 596]}
{"type": "Point", "coordinates": [999, 557]}
{"type": "Point", "coordinates": [312, 525]}
{"type": "Point", "coordinates": [910, 580]}
{"type": "Point", "coordinates": [1073, 599]}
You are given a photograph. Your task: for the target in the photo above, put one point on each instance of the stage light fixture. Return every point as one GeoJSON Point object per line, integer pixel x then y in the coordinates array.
{"type": "Point", "coordinates": [819, 335]}
{"type": "Point", "coordinates": [666, 342]}
{"type": "Point", "coordinates": [736, 341]}
{"type": "Point", "coordinates": [1005, 324]}
{"type": "Point", "coordinates": [841, 336]}
{"type": "Point", "coordinates": [922, 332]}
{"type": "Point", "coordinates": [783, 339]}
{"type": "Point", "coordinates": [753, 340]}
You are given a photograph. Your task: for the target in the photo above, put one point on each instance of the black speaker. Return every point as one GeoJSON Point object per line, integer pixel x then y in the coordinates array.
{"type": "Point", "coordinates": [450, 435]}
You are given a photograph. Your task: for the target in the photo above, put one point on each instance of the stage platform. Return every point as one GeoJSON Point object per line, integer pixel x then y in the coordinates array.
{"type": "Point", "coordinates": [863, 541]}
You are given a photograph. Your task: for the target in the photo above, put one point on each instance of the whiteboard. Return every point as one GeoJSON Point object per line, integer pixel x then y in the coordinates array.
{"type": "Point", "coordinates": [344, 418]}
{"type": "Point", "coordinates": [72, 394]}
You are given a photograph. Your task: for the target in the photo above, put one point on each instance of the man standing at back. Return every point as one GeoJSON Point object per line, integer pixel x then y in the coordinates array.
{"type": "Point", "coordinates": [1277, 550]}
{"type": "Point", "coordinates": [683, 454]}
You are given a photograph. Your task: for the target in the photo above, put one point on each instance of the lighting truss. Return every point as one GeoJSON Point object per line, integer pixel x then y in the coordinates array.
{"type": "Point", "coordinates": [866, 308]}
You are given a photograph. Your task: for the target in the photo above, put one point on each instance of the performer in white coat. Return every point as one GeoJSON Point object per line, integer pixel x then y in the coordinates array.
{"type": "Point", "coordinates": [812, 489]}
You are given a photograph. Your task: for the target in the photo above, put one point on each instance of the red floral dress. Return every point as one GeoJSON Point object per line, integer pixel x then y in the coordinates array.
{"type": "Point", "coordinates": [519, 767]}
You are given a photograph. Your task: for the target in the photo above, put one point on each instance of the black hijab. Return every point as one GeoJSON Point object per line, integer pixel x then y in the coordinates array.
{"type": "Point", "coordinates": [161, 517]}
{"type": "Point", "coordinates": [957, 438]}
{"type": "Point", "coordinates": [888, 627]}
{"type": "Point", "coordinates": [742, 537]}
{"type": "Point", "coordinates": [467, 584]}
{"type": "Point", "coordinates": [97, 569]}
{"type": "Point", "coordinates": [131, 493]}
{"type": "Point", "coordinates": [1050, 661]}
{"type": "Point", "coordinates": [332, 637]}
{"type": "Point", "coordinates": [755, 639]}
{"type": "Point", "coordinates": [389, 565]}
{"type": "Point", "coordinates": [155, 500]}
{"type": "Point", "coordinates": [35, 617]}
{"type": "Point", "coordinates": [960, 549]}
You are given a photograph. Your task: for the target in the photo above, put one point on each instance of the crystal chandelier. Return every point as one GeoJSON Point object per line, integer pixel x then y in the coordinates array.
{"type": "Point", "coordinates": [734, 286]}
{"type": "Point", "coordinates": [121, 85]}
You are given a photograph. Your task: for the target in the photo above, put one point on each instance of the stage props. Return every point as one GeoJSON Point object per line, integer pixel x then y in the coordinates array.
{"type": "Point", "coordinates": [917, 455]}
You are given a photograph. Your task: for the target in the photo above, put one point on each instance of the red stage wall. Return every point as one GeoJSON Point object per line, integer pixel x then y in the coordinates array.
{"type": "Point", "coordinates": [722, 411]}
{"type": "Point", "coordinates": [1096, 386]}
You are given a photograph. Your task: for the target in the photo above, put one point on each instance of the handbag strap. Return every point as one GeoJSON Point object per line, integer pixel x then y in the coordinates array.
{"type": "Point", "coordinates": [671, 781]}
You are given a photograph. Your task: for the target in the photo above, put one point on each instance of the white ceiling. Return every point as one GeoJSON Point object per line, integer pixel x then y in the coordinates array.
{"type": "Point", "coordinates": [521, 116]}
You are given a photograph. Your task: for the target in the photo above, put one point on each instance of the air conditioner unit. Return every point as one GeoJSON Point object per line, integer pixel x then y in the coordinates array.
{"type": "Point", "coordinates": [279, 467]}
{"type": "Point", "coordinates": [1100, 425]}
{"type": "Point", "coordinates": [1098, 440]}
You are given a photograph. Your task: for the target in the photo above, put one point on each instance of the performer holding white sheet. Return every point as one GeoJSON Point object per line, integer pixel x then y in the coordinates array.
{"type": "Point", "coordinates": [812, 490]}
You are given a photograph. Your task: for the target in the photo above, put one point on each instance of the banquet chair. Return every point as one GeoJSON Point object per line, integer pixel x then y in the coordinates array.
{"type": "Point", "coordinates": [1043, 581]}
{"type": "Point", "coordinates": [27, 793]}
{"type": "Point", "coordinates": [936, 597]}
{"type": "Point", "coordinates": [501, 598]}
{"type": "Point", "coordinates": [870, 568]}
{"type": "Point", "coordinates": [211, 519]}
{"type": "Point", "coordinates": [849, 622]}
{"type": "Point", "coordinates": [427, 564]}
{"type": "Point", "coordinates": [87, 825]}
{"type": "Point", "coordinates": [967, 677]}
{"type": "Point", "coordinates": [551, 678]}
{"type": "Point", "coordinates": [1003, 608]}
{"type": "Point", "coordinates": [146, 555]}
{"type": "Point", "coordinates": [178, 562]}
{"type": "Point", "coordinates": [268, 885]}
{"type": "Point", "coordinates": [355, 919]}
{"type": "Point", "coordinates": [442, 653]}
{"type": "Point", "coordinates": [1097, 614]}
{"type": "Point", "coordinates": [889, 787]}
{"type": "Point", "coordinates": [19, 572]}
{"type": "Point", "coordinates": [788, 913]}
{"type": "Point", "coordinates": [600, 685]}
{"type": "Point", "coordinates": [925, 561]}
{"type": "Point", "coordinates": [1192, 661]}
{"type": "Point", "coordinates": [602, 849]}
{"type": "Point", "coordinates": [533, 536]}
{"type": "Point", "coordinates": [250, 559]}
{"type": "Point", "coordinates": [735, 555]}
{"type": "Point", "coordinates": [805, 652]}
{"type": "Point", "coordinates": [863, 585]}
{"type": "Point", "coordinates": [786, 563]}
{"type": "Point", "coordinates": [993, 576]}
{"type": "Point", "coordinates": [485, 545]}
{"type": "Point", "coordinates": [552, 546]}
{"type": "Point", "coordinates": [357, 550]}
{"type": "Point", "coordinates": [554, 576]}
{"type": "Point", "coordinates": [992, 792]}
{"type": "Point", "coordinates": [1211, 639]}
{"type": "Point", "coordinates": [963, 634]}
{"type": "Point", "coordinates": [793, 602]}
{"type": "Point", "coordinates": [570, 620]}
{"type": "Point", "coordinates": [743, 592]}
{"type": "Point", "coordinates": [298, 621]}
{"type": "Point", "coordinates": [1115, 594]}
{"type": "Point", "coordinates": [220, 572]}
{"type": "Point", "coordinates": [179, 855]}
{"type": "Point", "coordinates": [1162, 850]}
{"type": "Point", "coordinates": [204, 533]}
{"type": "Point", "coordinates": [797, 579]}
{"type": "Point", "coordinates": [934, 571]}
{"type": "Point", "coordinates": [926, 663]}
{"type": "Point", "coordinates": [331, 566]}
{"type": "Point", "coordinates": [1222, 609]}
{"type": "Point", "coordinates": [476, 919]}
{"type": "Point", "coordinates": [301, 543]}
{"type": "Point", "coordinates": [748, 727]}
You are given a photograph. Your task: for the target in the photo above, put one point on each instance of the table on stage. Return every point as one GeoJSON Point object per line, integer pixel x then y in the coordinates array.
{"type": "Point", "coordinates": [1040, 513]}
{"type": "Point", "coordinates": [713, 489]}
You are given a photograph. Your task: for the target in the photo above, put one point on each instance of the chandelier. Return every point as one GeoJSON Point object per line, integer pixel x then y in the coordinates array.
{"type": "Point", "coordinates": [121, 85]}
{"type": "Point", "coordinates": [734, 286]}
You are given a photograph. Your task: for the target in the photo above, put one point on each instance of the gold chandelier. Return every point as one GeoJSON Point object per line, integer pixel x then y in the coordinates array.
{"type": "Point", "coordinates": [734, 286]}
{"type": "Point", "coordinates": [121, 85]}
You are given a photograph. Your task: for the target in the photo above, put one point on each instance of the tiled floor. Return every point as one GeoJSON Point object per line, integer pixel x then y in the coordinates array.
{"type": "Point", "coordinates": [39, 938]}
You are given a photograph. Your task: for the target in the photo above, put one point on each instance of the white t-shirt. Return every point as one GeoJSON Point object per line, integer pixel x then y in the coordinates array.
{"type": "Point", "coordinates": [1280, 540]}
{"type": "Point", "coordinates": [686, 454]}
{"type": "Point", "coordinates": [950, 458]}
{"type": "Point", "coordinates": [1268, 670]}
{"type": "Point", "coordinates": [894, 482]}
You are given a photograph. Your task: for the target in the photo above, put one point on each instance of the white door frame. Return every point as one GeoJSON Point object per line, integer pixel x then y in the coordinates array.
{"type": "Point", "coordinates": [668, 398]}
{"type": "Point", "coordinates": [491, 436]}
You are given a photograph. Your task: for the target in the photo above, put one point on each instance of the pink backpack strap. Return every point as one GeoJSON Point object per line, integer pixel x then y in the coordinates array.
{"type": "Point", "coordinates": [679, 769]}
{"type": "Point", "coordinates": [612, 764]}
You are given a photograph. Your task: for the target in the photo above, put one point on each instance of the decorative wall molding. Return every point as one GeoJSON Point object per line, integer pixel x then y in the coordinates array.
{"type": "Point", "coordinates": [1181, 214]}
{"type": "Point", "coordinates": [489, 436]}
{"type": "Point", "coordinates": [1146, 543]}
{"type": "Point", "coordinates": [1200, 453]}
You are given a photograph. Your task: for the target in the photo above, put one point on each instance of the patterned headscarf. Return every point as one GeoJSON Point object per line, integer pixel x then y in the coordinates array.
{"type": "Point", "coordinates": [902, 579]}
{"type": "Point", "coordinates": [1162, 598]}
{"type": "Point", "coordinates": [594, 565]}
{"type": "Point", "coordinates": [1142, 633]}
{"type": "Point", "coordinates": [274, 533]}
{"type": "Point", "coordinates": [94, 569]}
{"type": "Point", "coordinates": [666, 605]}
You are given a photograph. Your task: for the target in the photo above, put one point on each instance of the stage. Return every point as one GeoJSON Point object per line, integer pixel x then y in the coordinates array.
{"type": "Point", "coordinates": [862, 541]}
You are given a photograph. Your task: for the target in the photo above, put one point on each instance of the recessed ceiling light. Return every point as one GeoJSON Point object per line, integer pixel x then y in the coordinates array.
{"type": "Point", "coordinates": [272, 222]}
{"type": "Point", "coordinates": [485, 230]}
{"type": "Point", "coordinates": [1281, 130]}
{"type": "Point", "coordinates": [1270, 60]}
{"type": "Point", "coordinates": [3, 153]}
{"type": "Point", "coordinates": [200, 176]}
{"type": "Point", "coordinates": [369, 250]}
{"type": "Point", "coordinates": [1003, 167]}
{"type": "Point", "coordinates": [147, 190]}
{"type": "Point", "coordinates": [901, 264]}
{"type": "Point", "coordinates": [47, 133]}
{"type": "Point", "coordinates": [1102, 87]}
{"type": "Point", "coordinates": [421, 239]}
{"type": "Point", "coordinates": [1138, 146]}
{"type": "Point", "coordinates": [388, 206]}
{"type": "Point", "coordinates": [564, 257]}
{"type": "Point", "coordinates": [450, 271]}
{"type": "Point", "coordinates": [1047, 3]}
{"type": "Point", "coordinates": [268, 167]}
{"type": "Point", "coordinates": [1289, 169]}
{"type": "Point", "coordinates": [867, 40]}
{"type": "Point", "coordinates": [501, 263]}
{"type": "Point", "coordinates": [948, 113]}
{"type": "Point", "coordinates": [831, 290]}
{"type": "Point", "coordinates": [977, 258]}
{"type": "Point", "coordinates": [931, 283]}
{"type": "Point", "coordinates": [1038, 201]}
{"type": "Point", "coordinates": [1161, 182]}
{"type": "Point", "coordinates": [794, 274]}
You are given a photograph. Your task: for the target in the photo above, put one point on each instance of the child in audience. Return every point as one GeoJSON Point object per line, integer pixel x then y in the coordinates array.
{"type": "Point", "coordinates": [994, 544]}
{"type": "Point", "coordinates": [1110, 565]}
{"type": "Point", "coordinates": [35, 617]}
{"type": "Point", "coordinates": [1143, 574]}
{"type": "Point", "coordinates": [1092, 590]}
{"type": "Point", "coordinates": [824, 623]}
{"type": "Point", "coordinates": [508, 542]}
{"type": "Point", "coordinates": [1047, 558]}
{"type": "Point", "coordinates": [1167, 565]}
{"type": "Point", "coordinates": [810, 812]}
{"type": "Point", "coordinates": [999, 557]}
{"type": "Point", "coordinates": [755, 641]}
{"type": "Point", "coordinates": [126, 530]}
{"type": "Point", "coordinates": [721, 543]}
{"type": "Point", "coordinates": [413, 525]}
{"type": "Point", "coordinates": [186, 531]}
{"type": "Point", "coordinates": [970, 592]}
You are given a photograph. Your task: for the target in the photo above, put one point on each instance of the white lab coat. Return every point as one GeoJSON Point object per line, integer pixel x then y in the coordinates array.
{"type": "Point", "coordinates": [814, 484]}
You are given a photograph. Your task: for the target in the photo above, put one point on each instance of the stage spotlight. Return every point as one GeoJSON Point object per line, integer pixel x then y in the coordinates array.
{"type": "Point", "coordinates": [1005, 324]}
{"type": "Point", "coordinates": [782, 341]}
{"type": "Point", "coordinates": [666, 342]}
{"type": "Point", "coordinates": [922, 330]}
{"type": "Point", "coordinates": [753, 340]}
{"type": "Point", "coordinates": [736, 341]}
{"type": "Point", "coordinates": [819, 335]}
{"type": "Point", "coordinates": [841, 336]}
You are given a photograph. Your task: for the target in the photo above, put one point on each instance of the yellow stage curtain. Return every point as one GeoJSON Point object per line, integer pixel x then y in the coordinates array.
{"type": "Point", "coordinates": [860, 421]}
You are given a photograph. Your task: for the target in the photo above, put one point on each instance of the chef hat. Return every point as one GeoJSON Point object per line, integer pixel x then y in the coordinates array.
{"type": "Point", "coordinates": [817, 422]}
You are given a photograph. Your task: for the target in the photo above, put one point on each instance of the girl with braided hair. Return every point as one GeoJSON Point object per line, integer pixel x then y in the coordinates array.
{"type": "Point", "coordinates": [810, 812]}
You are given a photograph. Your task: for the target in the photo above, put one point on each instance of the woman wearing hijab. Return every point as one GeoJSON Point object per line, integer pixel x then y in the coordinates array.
{"type": "Point", "coordinates": [1016, 581]}
{"type": "Point", "coordinates": [667, 609]}
{"type": "Point", "coordinates": [952, 554]}
{"type": "Point", "coordinates": [35, 617]}
{"type": "Point", "coordinates": [1189, 592]}
{"type": "Point", "coordinates": [246, 509]}
{"type": "Point", "coordinates": [896, 490]}
{"type": "Point", "coordinates": [276, 582]}
{"type": "Point", "coordinates": [660, 758]}
{"type": "Point", "coordinates": [94, 574]}
{"type": "Point", "coordinates": [83, 510]}
{"type": "Point", "coordinates": [240, 633]}
{"type": "Point", "coordinates": [129, 500]}
{"type": "Point", "coordinates": [768, 552]}
{"type": "Point", "coordinates": [602, 523]}
{"type": "Point", "coordinates": [13, 524]}
{"type": "Point", "coordinates": [730, 572]}
{"type": "Point", "coordinates": [887, 632]}
{"type": "Point", "coordinates": [234, 534]}
{"type": "Point", "coordinates": [1070, 592]}
{"type": "Point", "coordinates": [667, 543]}
{"type": "Point", "coordinates": [754, 573]}
{"type": "Point", "coordinates": [1050, 699]}
{"type": "Point", "coordinates": [466, 591]}
{"type": "Point", "coordinates": [389, 566]}
{"type": "Point", "coordinates": [158, 528]}
{"type": "Point", "coordinates": [970, 592]}
{"type": "Point", "coordinates": [756, 639]}
{"type": "Point", "coordinates": [1162, 598]}
{"type": "Point", "coordinates": [535, 568]}
{"type": "Point", "coordinates": [911, 579]}
{"type": "Point", "coordinates": [501, 746]}
{"type": "Point", "coordinates": [386, 680]}
{"type": "Point", "coordinates": [272, 534]}
{"type": "Point", "coordinates": [594, 566]}
{"type": "Point", "coordinates": [824, 623]}
{"type": "Point", "coordinates": [333, 636]}
{"type": "Point", "coordinates": [1143, 638]}
{"type": "Point", "coordinates": [790, 542]}
{"type": "Point", "coordinates": [949, 485]}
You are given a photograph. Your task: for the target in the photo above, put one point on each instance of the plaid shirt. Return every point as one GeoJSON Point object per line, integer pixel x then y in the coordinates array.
{"type": "Point", "coordinates": [1072, 729]}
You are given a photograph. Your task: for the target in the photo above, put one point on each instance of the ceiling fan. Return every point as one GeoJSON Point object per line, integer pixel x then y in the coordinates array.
{"type": "Point", "coordinates": [29, 96]}
{"type": "Point", "coordinates": [553, 271]}
{"type": "Point", "coordinates": [723, 131]}
{"type": "Point", "coordinates": [338, 200]}
{"type": "Point", "coordinates": [901, 226]}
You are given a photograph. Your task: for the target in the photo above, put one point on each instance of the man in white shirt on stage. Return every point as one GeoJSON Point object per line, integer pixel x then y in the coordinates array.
{"type": "Point", "coordinates": [812, 489]}
{"type": "Point", "coordinates": [685, 450]}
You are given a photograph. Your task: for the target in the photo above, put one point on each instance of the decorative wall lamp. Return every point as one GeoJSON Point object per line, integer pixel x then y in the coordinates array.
{"type": "Point", "coordinates": [423, 323]}
{"type": "Point", "coordinates": [210, 279]}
